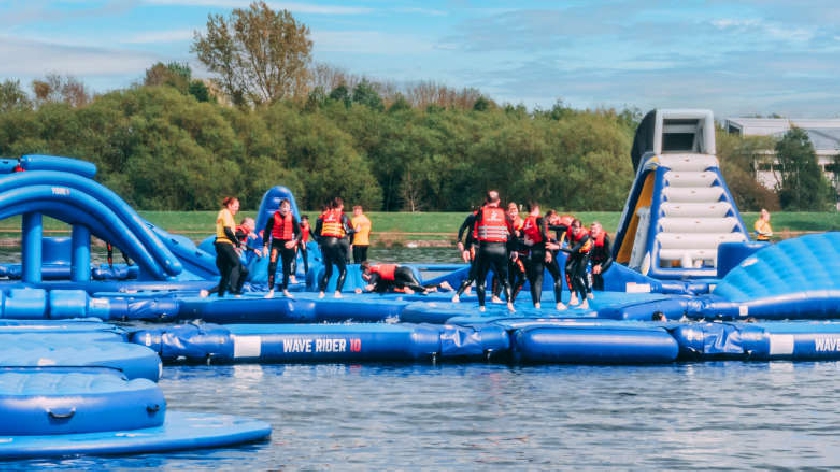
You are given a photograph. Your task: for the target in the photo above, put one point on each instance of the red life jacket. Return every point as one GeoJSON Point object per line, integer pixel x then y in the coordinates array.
{"type": "Point", "coordinates": [599, 240]}
{"type": "Point", "coordinates": [331, 224]}
{"type": "Point", "coordinates": [385, 271]}
{"type": "Point", "coordinates": [242, 232]}
{"type": "Point", "coordinates": [587, 246]}
{"type": "Point", "coordinates": [304, 230]}
{"type": "Point", "coordinates": [283, 229]}
{"type": "Point", "coordinates": [492, 227]}
{"type": "Point", "coordinates": [532, 232]}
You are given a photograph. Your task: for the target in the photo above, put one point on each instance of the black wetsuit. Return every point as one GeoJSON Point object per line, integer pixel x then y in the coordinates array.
{"type": "Point", "coordinates": [403, 278]}
{"type": "Point", "coordinates": [332, 254]}
{"type": "Point", "coordinates": [490, 255]}
{"type": "Point", "coordinates": [576, 266]}
{"type": "Point", "coordinates": [600, 255]}
{"type": "Point", "coordinates": [536, 266]}
{"type": "Point", "coordinates": [287, 256]}
{"type": "Point", "coordinates": [227, 261]}
{"type": "Point", "coordinates": [466, 232]}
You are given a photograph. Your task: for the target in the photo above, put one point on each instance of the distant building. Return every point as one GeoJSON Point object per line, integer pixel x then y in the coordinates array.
{"type": "Point", "coordinates": [824, 134]}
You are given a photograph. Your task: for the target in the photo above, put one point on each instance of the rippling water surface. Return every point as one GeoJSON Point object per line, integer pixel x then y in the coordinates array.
{"type": "Point", "coordinates": [683, 416]}
{"type": "Point", "coordinates": [484, 416]}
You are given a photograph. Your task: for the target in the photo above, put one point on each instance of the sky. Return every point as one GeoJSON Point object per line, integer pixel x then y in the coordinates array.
{"type": "Point", "coordinates": [739, 58]}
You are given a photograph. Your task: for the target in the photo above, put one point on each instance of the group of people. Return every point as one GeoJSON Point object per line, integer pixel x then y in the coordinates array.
{"type": "Point", "coordinates": [517, 249]}
{"type": "Point", "coordinates": [282, 237]}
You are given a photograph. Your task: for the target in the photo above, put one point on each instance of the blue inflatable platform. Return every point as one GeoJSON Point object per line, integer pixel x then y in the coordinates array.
{"type": "Point", "coordinates": [179, 431]}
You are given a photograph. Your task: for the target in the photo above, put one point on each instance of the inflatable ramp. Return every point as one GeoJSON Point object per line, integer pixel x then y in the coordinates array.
{"type": "Point", "coordinates": [679, 210]}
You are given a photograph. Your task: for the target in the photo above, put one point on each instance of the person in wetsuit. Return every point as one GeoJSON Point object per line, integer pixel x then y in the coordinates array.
{"type": "Point", "coordinates": [284, 231]}
{"type": "Point", "coordinates": [491, 233]}
{"type": "Point", "coordinates": [227, 258]}
{"type": "Point", "coordinates": [580, 246]}
{"type": "Point", "coordinates": [467, 249]}
{"type": "Point", "coordinates": [331, 228]}
{"type": "Point", "coordinates": [600, 256]}
{"type": "Point", "coordinates": [517, 256]}
{"type": "Point", "coordinates": [384, 278]}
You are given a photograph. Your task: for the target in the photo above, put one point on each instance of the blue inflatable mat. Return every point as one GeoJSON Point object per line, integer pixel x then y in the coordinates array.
{"type": "Point", "coordinates": [41, 403]}
{"type": "Point", "coordinates": [180, 430]}
{"type": "Point", "coordinates": [57, 351]}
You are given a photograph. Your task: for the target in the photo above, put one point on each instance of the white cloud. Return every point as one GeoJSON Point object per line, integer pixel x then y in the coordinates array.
{"type": "Point", "coordinates": [291, 6]}
{"type": "Point", "coordinates": [370, 42]}
{"type": "Point", "coordinates": [29, 59]}
{"type": "Point", "coordinates": [152, 37]}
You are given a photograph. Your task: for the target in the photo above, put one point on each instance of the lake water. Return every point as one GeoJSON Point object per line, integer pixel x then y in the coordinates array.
{"type": "Point", "coordinates": [485, 416]}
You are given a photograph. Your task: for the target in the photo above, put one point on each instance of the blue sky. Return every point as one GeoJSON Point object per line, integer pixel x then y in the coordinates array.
{"type": "Point", "coordinates": [738, 58]}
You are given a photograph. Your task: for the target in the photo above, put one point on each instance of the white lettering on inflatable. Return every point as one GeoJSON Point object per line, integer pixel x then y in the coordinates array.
{"type": "Point", "coordinates": [60, 191]}
{"type": "Point", "coordinates": [331, 345]}
{"type": "Point", "coordinates": [297, 345]}
{"type": "Point", "coordinates": [826, 344]}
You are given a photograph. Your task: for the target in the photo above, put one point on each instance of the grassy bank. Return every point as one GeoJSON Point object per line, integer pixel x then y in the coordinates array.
{"type": "Point", "coordinates": [440, 227]}
{"type": "Point", "coordinates": [400, 227]}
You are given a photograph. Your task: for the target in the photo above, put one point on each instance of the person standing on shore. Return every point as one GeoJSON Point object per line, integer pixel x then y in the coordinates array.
{"type": "Point", "coordinates": [763, 229]}
{"type": "Point", "coordinates": [227, 259]}
{"type": "Point", "coordinates": [361, 234]}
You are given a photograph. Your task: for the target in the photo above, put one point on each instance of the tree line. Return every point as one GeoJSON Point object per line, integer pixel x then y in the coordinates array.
{"type": "Point", "coordinates": [271, 118]}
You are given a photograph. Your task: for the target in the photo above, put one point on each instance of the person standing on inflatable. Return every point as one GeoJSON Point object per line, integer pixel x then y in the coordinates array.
{"type": "Point", "coordinates": [227, 259]}
{"type": "Point", "coordinates": [285, 234]}
{"type": "Point", "coordinates": [581, 244]}
{"type": "Point", "coordinates": [600, 256]}
{"type": "Point", "coordinates": [361, 234]}
{"type": "Point", "coordinates": [763, 229]}
{"type": "Point", "coordinates": [330, 229]}
{"type": "Point", "coordinates": [491, 232]}
{"type": "Point", "coordinates": [305, 233]}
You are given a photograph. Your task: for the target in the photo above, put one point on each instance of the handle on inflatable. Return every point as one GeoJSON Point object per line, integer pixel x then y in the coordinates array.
{"type": "Point", "coordinates": [62, 414]}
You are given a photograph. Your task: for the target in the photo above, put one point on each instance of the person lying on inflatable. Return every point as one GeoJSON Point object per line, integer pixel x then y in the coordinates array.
{"type": "Point", "coordinates": [384, 278]}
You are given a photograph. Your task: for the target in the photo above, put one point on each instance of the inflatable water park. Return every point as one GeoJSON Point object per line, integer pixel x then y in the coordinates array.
{"type": "Point", "coordinates": [85, 344]}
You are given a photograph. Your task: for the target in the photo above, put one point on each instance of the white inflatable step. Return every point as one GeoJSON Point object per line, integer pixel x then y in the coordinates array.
{"type": "Point", "coordinates": [696, 241]}
{"type": "Point", "coordinates": [690, 179]}
{"type": "Point", "coordinates": [693, 195]}
{"type": "Point", "coordinates": [688, 162]}
{"type": "Point", "coordinates": [696, 210]}
{"type": "Point", "coordinates": [697, 225]}
{"type": "Point", "coordinates": [689, 258]}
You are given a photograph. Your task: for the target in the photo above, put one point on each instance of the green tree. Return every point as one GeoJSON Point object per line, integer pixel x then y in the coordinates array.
{"type": "Point", "coordinates": [173, 75]}
{"type": "Point", "coordinates": [12, 96]}
{"type": "Point", "coordinates": [259, 55]}
{"type": "Point", "coordinates": [365, 94]}
{"type": "Point", "coordinates": [802, 185]}
{"type": "Point", "coordinates": [739, 158]}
